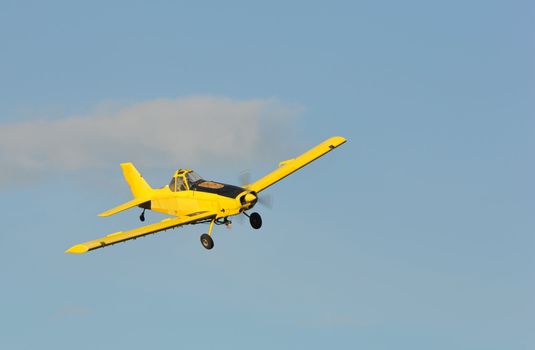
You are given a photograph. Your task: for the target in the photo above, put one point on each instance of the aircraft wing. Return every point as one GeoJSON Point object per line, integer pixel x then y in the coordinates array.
{"type": "Point", "coordinates": [139, 232]}
{"type": "Point", "coordinates": [292, 165]}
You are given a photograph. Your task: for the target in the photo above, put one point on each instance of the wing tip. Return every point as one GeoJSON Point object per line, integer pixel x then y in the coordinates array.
{"type": "Point", "coordinates": [77, 249]}
{"type": "Point", "coordinates": [337, 140]}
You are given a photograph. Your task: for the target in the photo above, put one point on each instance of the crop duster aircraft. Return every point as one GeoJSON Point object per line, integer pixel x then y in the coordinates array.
{"type": "Point", "coordinates": [193, 200]}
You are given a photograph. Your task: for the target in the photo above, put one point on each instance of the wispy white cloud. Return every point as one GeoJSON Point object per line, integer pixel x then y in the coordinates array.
{"type": "Point", "coordinates": [152, 133]}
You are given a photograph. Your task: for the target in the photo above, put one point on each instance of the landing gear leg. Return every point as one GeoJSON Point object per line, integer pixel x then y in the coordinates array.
{"type": "Point", "coordinates": [207, 241]}
{"type": "Point", "coordinates": [142, 216]}
{"type": "Point", "coordinates": [255, 220]}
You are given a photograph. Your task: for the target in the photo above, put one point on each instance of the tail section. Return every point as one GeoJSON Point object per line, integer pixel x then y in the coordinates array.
{"type": "Point", "coordinates": [139, 187]}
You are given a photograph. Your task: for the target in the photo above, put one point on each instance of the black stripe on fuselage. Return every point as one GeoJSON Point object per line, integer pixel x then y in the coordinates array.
{"type": "Point", "coordinates": [229, 191]}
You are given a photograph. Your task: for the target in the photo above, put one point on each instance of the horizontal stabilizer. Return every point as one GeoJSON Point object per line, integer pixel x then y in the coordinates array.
{"type": "Point", "coordinates": [143, 202]}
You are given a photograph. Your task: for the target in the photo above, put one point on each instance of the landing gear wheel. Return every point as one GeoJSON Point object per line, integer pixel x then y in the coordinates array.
{"type": "Point", "coordinates": [142, 216]}
{"type": "Point", "coordinates": [255, 220]}
{"type": "Point", "coordinates": [207, 241]}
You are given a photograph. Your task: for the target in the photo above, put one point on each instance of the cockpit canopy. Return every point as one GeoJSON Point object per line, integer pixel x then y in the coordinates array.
{"type": "Point", "coordinates": [184, 180]}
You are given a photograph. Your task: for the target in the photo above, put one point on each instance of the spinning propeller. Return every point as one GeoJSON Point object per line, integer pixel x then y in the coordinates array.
{"type": "Point", "coordinates": [245, 180]}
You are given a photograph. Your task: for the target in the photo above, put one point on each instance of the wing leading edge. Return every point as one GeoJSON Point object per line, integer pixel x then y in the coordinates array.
{"type": "Point", "coordinates": [290, 166]}
{"type": "Point", "coordinates": [138, 232]}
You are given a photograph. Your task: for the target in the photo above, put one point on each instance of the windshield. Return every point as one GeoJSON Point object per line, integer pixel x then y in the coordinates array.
{"type": "Point", "coordinates": [193, 178]}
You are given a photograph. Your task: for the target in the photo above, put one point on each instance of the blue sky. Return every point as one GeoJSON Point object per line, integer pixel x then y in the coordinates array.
{"type": "Point", "coordinates": [416, 234]}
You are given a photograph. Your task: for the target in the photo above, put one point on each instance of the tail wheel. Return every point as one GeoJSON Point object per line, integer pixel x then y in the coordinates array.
{"type": "Point", "coordinates": [255, 220]}
{"type": "Point", "coordinates": [207, 241]}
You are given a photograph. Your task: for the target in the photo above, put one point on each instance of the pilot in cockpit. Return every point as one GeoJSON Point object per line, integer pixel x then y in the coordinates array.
{"type": "Point", "coordinates": [178, 183]}
{"type": "Point", "coordinates": [184, 180]}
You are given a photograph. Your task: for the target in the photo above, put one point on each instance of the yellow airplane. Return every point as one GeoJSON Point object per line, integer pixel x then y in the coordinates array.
{"type": "Point", "coordinates": [193, 200]}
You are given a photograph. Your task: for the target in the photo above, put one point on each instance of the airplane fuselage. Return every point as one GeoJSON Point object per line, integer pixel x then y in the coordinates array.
{"type": "Point", "coordinates": [227, 201]}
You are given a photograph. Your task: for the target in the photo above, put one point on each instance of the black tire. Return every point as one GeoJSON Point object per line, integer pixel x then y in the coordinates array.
{"type": "Point", "coordinates": [255, 220]}
{"type": "Point", "coordinates": [207, 241]}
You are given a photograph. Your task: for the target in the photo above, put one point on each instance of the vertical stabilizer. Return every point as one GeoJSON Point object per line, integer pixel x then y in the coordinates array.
{"type": "Point", "coordinates": [138, 185]}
